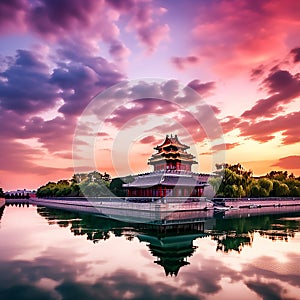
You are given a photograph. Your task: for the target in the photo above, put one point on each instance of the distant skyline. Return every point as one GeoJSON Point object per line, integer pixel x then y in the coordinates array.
{"type": "Point", "coordinates": [241, 57]}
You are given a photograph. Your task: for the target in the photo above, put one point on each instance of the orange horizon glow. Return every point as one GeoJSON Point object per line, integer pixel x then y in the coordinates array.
{"type": "Point", "coordinates": [227, 77]}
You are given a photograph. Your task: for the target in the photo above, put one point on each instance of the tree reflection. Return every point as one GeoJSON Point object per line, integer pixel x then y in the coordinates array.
{"type": "Point", "coordinates": [233, 241]}
{"type": "Point", "coordinates": [172, 245]}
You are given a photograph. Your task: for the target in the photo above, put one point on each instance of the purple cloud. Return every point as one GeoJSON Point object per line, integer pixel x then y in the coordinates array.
{"type": "Point", "coordinates": [296, 53]}
{"type": "Point", "coordinates": [25, 87]}
{"type": "Point", "coordinates": [56, 17]}
{"type": "Point", "coordinates": [204, 89]}
{"type": "Point", "coordinates": [265, 130]}
{"type": "Point", "coordinates": [150, 32]}
{"type": "Point", "coordinates": [12, 15]}
{"type": "Point", "coordinates": [283, 87]}
{"type": "Point", "coordinates": [138, 110]}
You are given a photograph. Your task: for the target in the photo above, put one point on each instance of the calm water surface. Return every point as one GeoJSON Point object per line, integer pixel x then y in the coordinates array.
{"type": "Point", "coordinates": [54, 254]}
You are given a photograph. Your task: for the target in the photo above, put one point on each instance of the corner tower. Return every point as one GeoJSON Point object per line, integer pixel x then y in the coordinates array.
{"type": "Point", "coordinates": [172, 155]}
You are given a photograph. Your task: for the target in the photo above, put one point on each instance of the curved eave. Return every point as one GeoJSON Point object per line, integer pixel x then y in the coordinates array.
{"type": "Point", "coordinates": [152, 161]}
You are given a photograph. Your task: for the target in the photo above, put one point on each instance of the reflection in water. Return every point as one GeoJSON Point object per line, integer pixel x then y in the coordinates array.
{"type": "Point", "coordinates": [171, 251]}
{"type": "Point", "coordinates": [256, 257]}
{"type": "Point", "coordinates": [232, 241]}
{"type": "Point", "coordinates": [234, 234]}
{"type": "Point", "coordinates": [171, 245]}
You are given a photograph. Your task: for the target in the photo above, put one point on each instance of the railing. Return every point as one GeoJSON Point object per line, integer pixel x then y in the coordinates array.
{"type": "Point", "coordinates": [255, 199]}
{"type": "Point", "coordinates": [132, 199]}
{"type": "Point", "coordinates": [163, 204]}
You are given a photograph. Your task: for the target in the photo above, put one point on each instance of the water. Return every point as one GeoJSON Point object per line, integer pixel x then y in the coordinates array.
{"type": "Point", "coordinates": [54, 254]}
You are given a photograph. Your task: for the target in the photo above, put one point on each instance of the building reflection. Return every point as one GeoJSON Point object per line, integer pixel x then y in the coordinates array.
{"type": "Point", "coordinates": [173, 244]}
{"type": "Point", "coordinates": [171, 252]}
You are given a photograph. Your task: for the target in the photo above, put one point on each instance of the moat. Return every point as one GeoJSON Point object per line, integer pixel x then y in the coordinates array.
{"type": "Point", "coordinates": [49, 253]}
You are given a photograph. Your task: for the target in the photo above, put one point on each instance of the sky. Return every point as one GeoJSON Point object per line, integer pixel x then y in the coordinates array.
{"type": "Point", "coordinates": [97, 84]}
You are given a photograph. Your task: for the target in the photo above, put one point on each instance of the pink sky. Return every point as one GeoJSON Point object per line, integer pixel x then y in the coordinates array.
{"type": "Point", "coordinates": [241, 57]}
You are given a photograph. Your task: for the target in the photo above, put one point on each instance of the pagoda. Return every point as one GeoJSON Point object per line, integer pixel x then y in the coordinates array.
{"type": "Point", "coordinates": [172, 175]}
{"type": "Point", "coordinates": [172, 155]}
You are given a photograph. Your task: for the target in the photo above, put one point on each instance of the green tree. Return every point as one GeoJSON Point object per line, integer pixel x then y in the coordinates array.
{"type": "Point", "coordinates": [116, 185]}
{"type": "Point", "coordinates": [280, 189]}
{"type": "Point", "coordinates": [266, 186]}
{"type": "Point", "coordinates": [255, 190]}
{"type": "Point", "coordinates": [215, 182]}
{"type": "Point", "coordinates": [232, 184]}
{"type": "Point", "coordinates": [94, 189]}
{"type": "Point", "coordinates": [278, 175]}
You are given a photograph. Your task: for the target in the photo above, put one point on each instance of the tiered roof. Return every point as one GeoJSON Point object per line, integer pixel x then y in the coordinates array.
{"type": "Point", "coordinates": [172, 150]}
{"type": "Point", "coordinates": [171, 178]}
{"type": "Point", "coordinates": [171, 141]}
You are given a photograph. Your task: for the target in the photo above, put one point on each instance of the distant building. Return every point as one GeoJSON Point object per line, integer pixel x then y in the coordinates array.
{"type": "Point", "coordinates": [21, 194]}
{"type": "Point", "coordinates": [172, 175]}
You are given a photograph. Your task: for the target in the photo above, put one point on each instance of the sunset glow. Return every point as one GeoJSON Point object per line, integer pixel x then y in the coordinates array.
{"type": "Point", "coordinates": [234, 62]}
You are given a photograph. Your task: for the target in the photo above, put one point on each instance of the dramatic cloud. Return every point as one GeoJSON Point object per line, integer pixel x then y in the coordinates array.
{"type": "Point", "coordinates": [27, 88]}
{"type": "Point", "coordinates": [204, 89]}
{"type": "Point", "coordinates": [118, 50]}
{"type": "Point", "coordinates": [235, 35]}
{"type": "Point", "coordinates": [56, 57]}
{"type": "Point", "coordinates": [80, 82]}
{"type": "Point", "coordinates": [289, 162]}
{"type": "Point", "coordinates": [296, 53]}
{"type": "Point", "coordinates": [25, 85]}
{"type": "Point", "coordinates": [265, 130]}
{"type": "Point", "coordinates": [139, 109]}
{"type": "Point", "coordinates": [283, 87]}
{"type": "Point", "coordinates": [199, 125]}
{"type": "Point", "coordinates": [12, 15]}
{"type": "Point", "coordinates": [230, 123]}
{"type": "Point", "coordinates": [56, 18]}
{"type": "Point", "coordinates": [54, 135]}
{"type": "Point", "coordinates": [150, 32]}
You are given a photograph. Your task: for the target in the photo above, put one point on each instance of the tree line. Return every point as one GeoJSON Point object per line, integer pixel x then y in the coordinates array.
{"type": "Point", "coordinates": [93, 184]}
{"type": "Point", "coordinates": [233, 181]}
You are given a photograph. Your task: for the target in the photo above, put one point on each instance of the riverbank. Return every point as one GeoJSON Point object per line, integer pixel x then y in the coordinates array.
{"type": "Point", "coordinates": [257, 202]}
{"type": "Point", "coordinates": [166, 210]}
{"type": "Point", "coordinates": [126, 210]}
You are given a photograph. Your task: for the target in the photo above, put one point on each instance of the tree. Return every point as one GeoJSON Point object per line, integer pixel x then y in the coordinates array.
{"type": "Point", "coordinates": [278, 175]}
{"type": "Point", "coordinates": [266, 186]}
{"type": "Point", "coordinates": [255, 191]}
{"type": "Point", "coordinates": [232, 184]}
{"type": "Point", "coordinates": [116, 185]}
{"type": "Point", "coordinates": [280, 189]}
{"type": "Point", "coordinates": [94, 189]}
{"type": "Point", "coordinates": [215, 182]}
{"type": "Point", "coordinates": [72, 187]}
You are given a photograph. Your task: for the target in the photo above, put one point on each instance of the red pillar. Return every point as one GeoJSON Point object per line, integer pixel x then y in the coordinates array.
{"type": "Point", "coordinates": [159, 191]}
